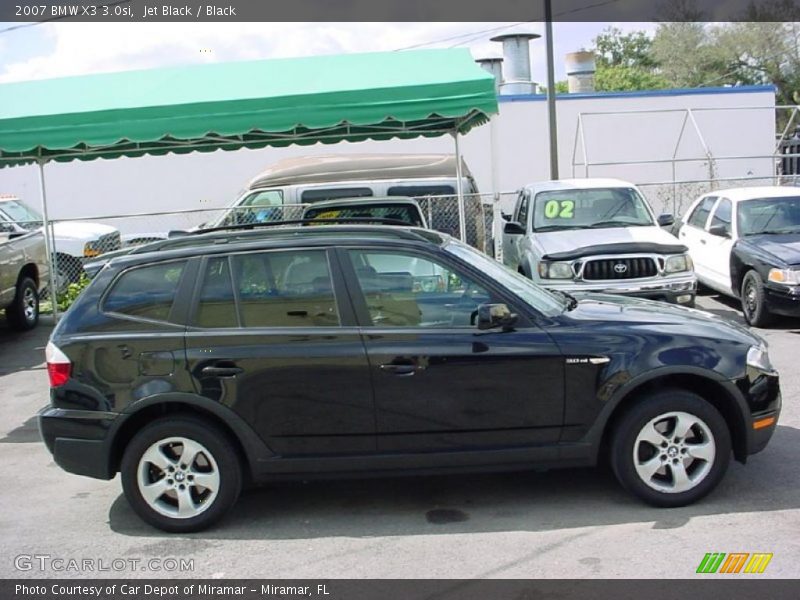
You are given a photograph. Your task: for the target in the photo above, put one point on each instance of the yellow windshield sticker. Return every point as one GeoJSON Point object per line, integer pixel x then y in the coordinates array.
{"type": "Point", "coordinates": [559, 209]}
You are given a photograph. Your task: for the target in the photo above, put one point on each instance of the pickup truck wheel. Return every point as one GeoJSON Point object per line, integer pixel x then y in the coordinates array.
{"type": "Point", "coordinates": [671, 449]}
{"type": "Point", "coordinates": [754, 304]}
{"type": "Point", "coordinates": [23, 314]}
{"type": "Point", "coordinates": [181, 474]}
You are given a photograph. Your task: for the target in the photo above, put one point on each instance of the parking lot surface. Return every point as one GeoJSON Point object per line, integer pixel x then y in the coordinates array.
{"type": "Point", "coordinates": [561, 524]}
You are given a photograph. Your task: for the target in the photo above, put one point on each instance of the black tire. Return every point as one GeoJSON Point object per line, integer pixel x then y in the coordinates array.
{"type": "Point", "coordinates": [663, 488]}
{"type": "Point", "coordinates": [23, 314]}
{"type": "Point", "coordinates": [222, 455]}
{"type": "Point", "coordinates": [754, 302]}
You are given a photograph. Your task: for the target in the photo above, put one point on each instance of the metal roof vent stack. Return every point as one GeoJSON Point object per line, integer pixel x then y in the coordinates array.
{"type": "Point", "coordinates": [495, 67]}
{"type": "Point", "coordinates": [580, 71]}
{"type": "Point", "coordinates": [516, 63]}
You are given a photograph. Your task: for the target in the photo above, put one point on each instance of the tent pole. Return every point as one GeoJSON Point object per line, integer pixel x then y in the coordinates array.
{"type": "Point", "coordinates": [48, 242]}
{"type": "Point", "coordinates": [462, 209]}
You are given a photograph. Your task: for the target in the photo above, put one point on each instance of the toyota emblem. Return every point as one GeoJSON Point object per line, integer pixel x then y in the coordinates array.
{"type": "Point", "coordinates": [620, 268]}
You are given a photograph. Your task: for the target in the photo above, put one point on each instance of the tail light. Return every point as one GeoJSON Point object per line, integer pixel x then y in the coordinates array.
{"type": "Point", "coordinates": [59, 366]}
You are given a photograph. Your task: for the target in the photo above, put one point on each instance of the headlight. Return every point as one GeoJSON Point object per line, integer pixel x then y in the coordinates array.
{"type": "Point", "coordinates": [555, 270]}
{"type": "Point", "coordinates": [758, 357]}
{"type": "Point", "coordinates": [91, 249]}
{"type": "Point", "coordinates": [676, 264]}
{"type": "Point", "coordinates": [787, 276]}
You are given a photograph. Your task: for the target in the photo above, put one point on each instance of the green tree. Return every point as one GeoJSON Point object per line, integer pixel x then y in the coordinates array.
{"type": "Point", "coordinates": [688, 54]}
{"type": "Point", "coordinates": [625, 62]}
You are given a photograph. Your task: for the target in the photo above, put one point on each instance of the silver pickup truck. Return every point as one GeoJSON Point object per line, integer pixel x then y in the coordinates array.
{"type": "Point", "coordinates": [597, 235]}
{"type": "Point", "coordinates": [23, 274]}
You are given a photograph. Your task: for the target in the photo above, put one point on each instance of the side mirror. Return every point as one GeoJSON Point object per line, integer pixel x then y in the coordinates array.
{"type": "Point", "coordinates": [506, 216]}
{"type": "Point", "coordinates": [666, 220]}
{"type": "Point", "coordinates": [719, 231]}
{"type": "Point", "coordinates": [492, 316]}
{"type": "Point", "coordinates": [513, 228]}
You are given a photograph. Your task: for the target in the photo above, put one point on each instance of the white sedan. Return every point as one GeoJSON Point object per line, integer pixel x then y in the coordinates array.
{"type": "Point", "coordinates": [745, 243]}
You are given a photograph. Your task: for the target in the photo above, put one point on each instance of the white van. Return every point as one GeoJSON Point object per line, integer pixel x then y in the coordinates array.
{"type": "Point", "coordinates": [283, 190]}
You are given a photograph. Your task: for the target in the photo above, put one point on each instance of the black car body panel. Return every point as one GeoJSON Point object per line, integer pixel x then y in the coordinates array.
{"type": "Point", "coordinates": [762, 253]}
{"type": "Point", "coordinates": [359, 397]}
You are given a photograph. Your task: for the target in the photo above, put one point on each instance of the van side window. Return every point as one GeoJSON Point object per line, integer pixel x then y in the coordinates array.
{"type": "Point", "coordinates": [334, 194]}
{"type": "Point", "coordinates": [146, 292]}
{"type": "Point", "coordinates": [418, 191]}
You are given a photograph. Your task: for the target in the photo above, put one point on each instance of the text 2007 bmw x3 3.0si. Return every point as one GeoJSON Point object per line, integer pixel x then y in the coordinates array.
{"type": "Point", "coordinates": [237, 356]}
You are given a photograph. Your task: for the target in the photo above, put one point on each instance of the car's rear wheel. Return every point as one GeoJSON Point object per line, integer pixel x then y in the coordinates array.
{"type": "Point", "coordinates": [671, 449]}
{"type": "Point", "coordinates": [754, 304]}
{"type": "Point", "coordinates": [23, 314]}
{"type": "Point", "coordinates": [181, 474]}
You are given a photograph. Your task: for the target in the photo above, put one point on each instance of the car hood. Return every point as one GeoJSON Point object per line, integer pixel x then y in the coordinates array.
{"type": "Point", "coordinates": [659, 317]}
{"type": "Point", "coordinates": [785, 247]}
{"type": "Point", "coordinates": [625, 239]}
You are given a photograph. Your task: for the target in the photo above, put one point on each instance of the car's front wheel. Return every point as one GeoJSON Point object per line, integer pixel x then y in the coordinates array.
{"type": "Point", "coordinates": [671, 449]}
{"type": "Point", "coordinates": [181, 474]}
{"type": "Point", "coordinates": [754, 304]}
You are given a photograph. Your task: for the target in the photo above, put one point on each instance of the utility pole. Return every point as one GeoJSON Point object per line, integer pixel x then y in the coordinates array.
{"type": "Point", "coordinates": [551, 91]}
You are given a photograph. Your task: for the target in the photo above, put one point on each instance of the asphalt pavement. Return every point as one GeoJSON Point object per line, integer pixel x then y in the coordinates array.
{"type": "Point", "coordinates": [558, 524]}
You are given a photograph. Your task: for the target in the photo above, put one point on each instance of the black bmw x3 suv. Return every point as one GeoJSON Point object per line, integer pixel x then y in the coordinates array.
{"type": "Point", "coordinates": [236, 357]}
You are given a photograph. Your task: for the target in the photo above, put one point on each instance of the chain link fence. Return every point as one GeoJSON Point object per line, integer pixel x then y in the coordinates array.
{"type": "Point", "coordinates": [103, 237]}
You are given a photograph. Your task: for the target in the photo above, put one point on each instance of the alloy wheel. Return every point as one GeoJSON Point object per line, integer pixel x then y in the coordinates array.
{"type": "Point", "coordinates": [178, 477]}
{"type": "Point", "coordinates": [30, 305]}
{"type": "Point", "coordinates": [674, 452]}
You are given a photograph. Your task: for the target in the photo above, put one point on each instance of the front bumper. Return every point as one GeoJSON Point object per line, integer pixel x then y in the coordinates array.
{"type": "Point", "coordinates": [79, 440]}
{"type": "Point", "coordinates": [783, 299]}
{"type": "Point", "coordinates": [676, 290]}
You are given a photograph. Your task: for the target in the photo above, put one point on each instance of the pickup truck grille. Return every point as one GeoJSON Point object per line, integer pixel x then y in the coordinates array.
{"type": "Point", "coordinates": [619, 268]}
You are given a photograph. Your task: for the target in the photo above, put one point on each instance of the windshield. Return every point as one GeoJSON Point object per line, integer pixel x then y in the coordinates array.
{"type": "Point", "coordinates": [406, 213]}
{"type": "Point", "coordinates": [542, 300]}
{"type": "Point", "coordinates": [769, 215]}
{"type": "Point", "coordinates": [25, 217]}
{"type": "Point", "coordinates": [587, 208]}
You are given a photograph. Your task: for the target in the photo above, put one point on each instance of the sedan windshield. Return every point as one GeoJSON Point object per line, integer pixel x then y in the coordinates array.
{"type": "Point", "coordinates": [25, 217]}
{"type": "Point", "coordinates": [542, 300]}
{"type": "Point", "coordinates": [590, 208]}
{"type": "Point", "coordinates": [769, 216]}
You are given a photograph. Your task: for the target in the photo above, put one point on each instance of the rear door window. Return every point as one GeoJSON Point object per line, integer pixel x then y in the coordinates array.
{"type": "Point", "coordinates": [321, 194]}
{"type": "Point", "coordinates": [700, 214]}
{"type": "Point", "coordinates": [217, 304]}
{"type": "Point", "coordinates": [146, 292]}
{"type": "Point", "coordinates": [722, 215]}
{"type": "Point", "coordinates": [285, 289]}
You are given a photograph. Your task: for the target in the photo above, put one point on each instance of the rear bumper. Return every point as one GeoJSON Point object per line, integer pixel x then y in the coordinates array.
{"type": "Point", "coordinates": [79, 440]}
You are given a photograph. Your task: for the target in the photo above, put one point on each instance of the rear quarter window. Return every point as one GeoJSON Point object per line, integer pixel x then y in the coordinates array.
{"type": "Point", "coordinates": [145, 292]}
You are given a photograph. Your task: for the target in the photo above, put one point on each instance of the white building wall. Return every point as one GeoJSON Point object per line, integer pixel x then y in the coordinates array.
{"type": "Point", "coordinates": [200, 180]}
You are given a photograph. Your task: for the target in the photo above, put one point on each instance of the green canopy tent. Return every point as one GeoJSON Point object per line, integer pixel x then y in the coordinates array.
{"type": "Point", "coordinates": [251, 104]}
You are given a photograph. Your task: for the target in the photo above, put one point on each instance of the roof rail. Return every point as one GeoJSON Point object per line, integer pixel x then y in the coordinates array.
{"type": "Point", "coordinates": [220, 234]}
{"type": "Point", "coordinates": [316, 220]}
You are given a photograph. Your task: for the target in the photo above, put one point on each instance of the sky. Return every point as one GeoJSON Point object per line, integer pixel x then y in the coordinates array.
{"type": "Point", "coordinates": [62, 49]}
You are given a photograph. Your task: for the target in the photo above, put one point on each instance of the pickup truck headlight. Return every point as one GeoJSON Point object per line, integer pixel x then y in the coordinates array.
{"type": "Point", "coordinates": [758, 358]}
{"type": "Point", "coordinates": [676, 264]}
{"type": "Point", "coordinates": [555, 270]}
{"type": "Point", "coordinates": [785, 276]}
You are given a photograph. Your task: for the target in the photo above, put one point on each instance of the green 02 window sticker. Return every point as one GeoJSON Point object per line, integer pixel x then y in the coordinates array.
{"type": "Point", "coordinates": [559, 209]}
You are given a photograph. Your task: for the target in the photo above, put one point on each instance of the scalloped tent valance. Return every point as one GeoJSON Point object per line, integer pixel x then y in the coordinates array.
{"type": "Point", "coordinates": [250, 104]}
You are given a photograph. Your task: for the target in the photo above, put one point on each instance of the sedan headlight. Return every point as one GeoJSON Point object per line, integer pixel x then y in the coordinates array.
{"type": "Point", "coordinates": [758, 358]}
{"type": "Point", "coordinates": [676, 264]}
{"type": "Point", "coordinates": [555, 270]}
{"type": "Point", "coordinates": [785, 276]}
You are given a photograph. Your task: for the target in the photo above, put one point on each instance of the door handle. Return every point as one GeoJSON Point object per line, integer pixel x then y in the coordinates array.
{"type": "Point", "coordinates": [232, 371]}
{"type": "Point", "coordinates": [404, 369]}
